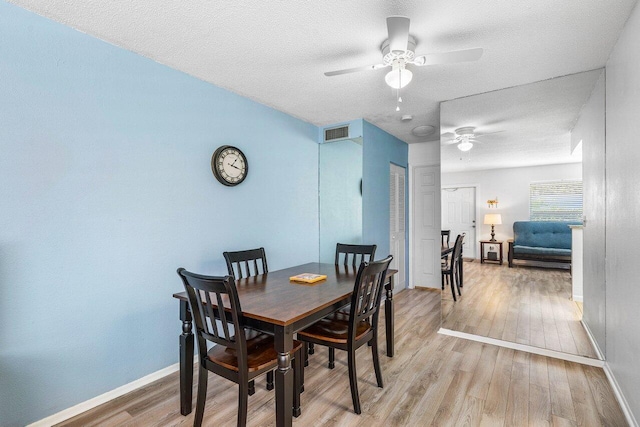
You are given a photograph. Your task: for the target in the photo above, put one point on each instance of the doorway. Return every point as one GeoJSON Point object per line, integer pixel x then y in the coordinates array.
{"type": "Point", "coordinates": [459, 215]}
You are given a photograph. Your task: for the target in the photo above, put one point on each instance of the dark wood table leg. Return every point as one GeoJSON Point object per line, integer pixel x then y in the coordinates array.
{"type": "Point", "coordinates": [284, 376]}
{"type": "Point", "coordinates": [388, 315]}
{"type": "Point", "coordinates": [186, 359]}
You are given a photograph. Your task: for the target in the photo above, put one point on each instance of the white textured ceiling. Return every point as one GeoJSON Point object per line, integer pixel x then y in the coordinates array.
{"type": "Point", "coordinates": [526, 125]}
{"type": "Point", "coordinates": [275, 52]}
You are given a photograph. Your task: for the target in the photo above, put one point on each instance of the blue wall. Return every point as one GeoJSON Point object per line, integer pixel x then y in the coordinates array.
{"type": "Point", "coordinates": [380, 150]}
{"type": "Point", "coordinates": [339, 195]}
{"type": "Point", "coordinates": [105, 189]}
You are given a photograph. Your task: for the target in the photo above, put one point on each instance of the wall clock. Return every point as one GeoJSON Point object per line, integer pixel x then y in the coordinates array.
{"type": "Point", "coordinates": [229, 165]}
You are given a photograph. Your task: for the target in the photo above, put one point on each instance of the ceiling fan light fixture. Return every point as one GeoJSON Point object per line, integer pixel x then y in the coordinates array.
{"type": "Point", "coordinates": [399, 77]}
{"type": "Point", "coordinates": [465, 145]}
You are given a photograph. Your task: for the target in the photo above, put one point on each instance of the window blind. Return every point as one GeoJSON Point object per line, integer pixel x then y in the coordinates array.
{"type": "Point", "coordinates": [555, 201]}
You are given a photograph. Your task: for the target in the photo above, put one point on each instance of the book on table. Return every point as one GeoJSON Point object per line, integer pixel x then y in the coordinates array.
{"type": "Point", "coordinates": [308, 278]}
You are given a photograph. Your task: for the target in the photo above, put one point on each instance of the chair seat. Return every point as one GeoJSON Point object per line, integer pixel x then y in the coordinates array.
{"type": "Point", "coordinates": [334, 328]}
{"type": "Point", "coordinates": [260, 353]}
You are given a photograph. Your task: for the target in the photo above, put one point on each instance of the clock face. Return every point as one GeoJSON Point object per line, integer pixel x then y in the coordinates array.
{"type": "Point", "coordinates": [229, 165]}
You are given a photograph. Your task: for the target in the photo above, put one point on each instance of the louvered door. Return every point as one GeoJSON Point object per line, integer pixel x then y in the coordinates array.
{"type": "Point", "coordinates": [397, 222]}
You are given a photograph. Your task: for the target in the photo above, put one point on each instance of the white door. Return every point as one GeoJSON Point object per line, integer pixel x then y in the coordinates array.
{"type": "Point", "coordinates": [459, 216]}
{"type": "Point", "coordinates": [426, 227]}
{"type": "Point", "coordinates": [397, 222]}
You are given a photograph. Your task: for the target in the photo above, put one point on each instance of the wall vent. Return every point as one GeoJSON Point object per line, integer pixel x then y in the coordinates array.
{"type": "Point", "coordinates": [333, 134]}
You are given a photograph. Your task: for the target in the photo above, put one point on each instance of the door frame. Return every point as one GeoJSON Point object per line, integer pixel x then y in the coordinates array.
{"type": "Point", "coordinates": [479, 221]}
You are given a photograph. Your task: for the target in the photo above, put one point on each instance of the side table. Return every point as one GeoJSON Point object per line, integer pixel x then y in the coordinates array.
{"type": "Point", "coordinates": [489, 242]}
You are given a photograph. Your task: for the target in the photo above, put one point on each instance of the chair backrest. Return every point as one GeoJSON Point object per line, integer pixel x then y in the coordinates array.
{"type": "Point", "coordinates": [241, 264]}
{"type": "Point", "coordinates": [445, 235]}
{"type": "Point", "coordinates": [367, 293]}
{"type": "Point", "coordinates": [207, 295]}
{"type": "Point", "coordinates": [356, 253]}
{"type": "Point", "coordinates": [456, 255]}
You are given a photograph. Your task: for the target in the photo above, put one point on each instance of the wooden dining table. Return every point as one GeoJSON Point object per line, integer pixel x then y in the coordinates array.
{"type": "Point", "coordinates": [272, 303]}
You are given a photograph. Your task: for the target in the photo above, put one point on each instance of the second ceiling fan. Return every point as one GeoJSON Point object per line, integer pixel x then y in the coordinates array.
{"type": "Point", "coordinates": [398, 51]}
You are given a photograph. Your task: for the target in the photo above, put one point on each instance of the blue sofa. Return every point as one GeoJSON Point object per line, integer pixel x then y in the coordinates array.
{"type": "Point", "coordinates": [541, 241]}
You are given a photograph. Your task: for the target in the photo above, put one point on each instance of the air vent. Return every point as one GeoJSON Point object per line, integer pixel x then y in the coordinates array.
{"type": "Point", "coordinates": [336, 133]}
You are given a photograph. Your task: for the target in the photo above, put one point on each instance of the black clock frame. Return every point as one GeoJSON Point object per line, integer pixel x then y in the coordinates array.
{"type": "Point", "coordinates": [214, 162]}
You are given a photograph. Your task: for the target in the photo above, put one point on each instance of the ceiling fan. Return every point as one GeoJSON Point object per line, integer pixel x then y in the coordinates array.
{"type": "Point", "coordinates": [464, 137]}
{"type": "Point", "coordinates": [398, 51]}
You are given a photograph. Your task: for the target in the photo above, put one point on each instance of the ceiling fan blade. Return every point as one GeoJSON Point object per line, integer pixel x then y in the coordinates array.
{"type": "Point", "coordinates": [448, 138]}
{"type": "Point", "coordinates": [465, 55]}
{"type": "Point", "coordinates": [480, 135]}
{"type": "Point", "coordinates": [398, 29]}
{"type": "Point", "coordinates": [354, 70]}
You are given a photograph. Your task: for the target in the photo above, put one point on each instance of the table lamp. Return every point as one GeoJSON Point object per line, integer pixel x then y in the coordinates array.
{"type": "Point", "coordinates": [492, 219]}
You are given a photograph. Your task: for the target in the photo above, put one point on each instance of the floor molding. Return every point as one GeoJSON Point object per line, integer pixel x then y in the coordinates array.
{"type": "Point", "coordinates": [106, 397]}
{"type": "Point", "coordinates": [594, 343]}
{"type": "Point", "coordinates": [522, 347]}
{"type": "Point", "coordinates": [626, 409]}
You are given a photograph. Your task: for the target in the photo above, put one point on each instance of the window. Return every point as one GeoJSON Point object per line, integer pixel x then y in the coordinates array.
{"type": "Point", "coordinates": [555, 201]}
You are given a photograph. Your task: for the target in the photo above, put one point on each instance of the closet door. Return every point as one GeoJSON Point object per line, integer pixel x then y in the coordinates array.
{"type": "Point", "coordinates": [397, 220]}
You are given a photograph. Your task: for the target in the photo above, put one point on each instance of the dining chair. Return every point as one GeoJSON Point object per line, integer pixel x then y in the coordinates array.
{"type": "Point", "coordinates": [248, 263]}
{"type": "Point", "coordinates": [238, 354]}
{"type": "Point", "coordinates": [461, 260]}
{"type": "Point", "coordinates": [451, 270]}
{"type": "Point", "coordinates": [357, 254]}
{"type": "Point", "coordinates": [346, 252]}
{"type": "Point", "coordinates": [241, 264]}
{"type": "Point", "coordinates": [444, 238]}
{"type": "Point", "coordinates": [348, 332]}
{"type": "Point", "coordinates": [444, 243]}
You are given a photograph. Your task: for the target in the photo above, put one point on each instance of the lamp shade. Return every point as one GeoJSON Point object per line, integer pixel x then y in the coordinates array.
{"type": "Point", "coordinates": [398, 77]}
{"type": "Point", "coordinates": [465, 146]}
{"type": "Point", "coordinates": [493, 219]}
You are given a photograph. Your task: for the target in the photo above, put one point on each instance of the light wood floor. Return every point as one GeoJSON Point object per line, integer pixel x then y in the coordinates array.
{"type": "Point", "coordinates": [433, 380]}
{"type": "Point", "coordinates": [525, 305]}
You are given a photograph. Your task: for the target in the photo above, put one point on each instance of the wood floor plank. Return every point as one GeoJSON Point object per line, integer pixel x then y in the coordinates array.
{"type": "Point", "coordinates": [495, 404]}
{"type": "Point", "coordinates": [453, 400]}
{"type": "Point", "coordinates": [608, 408]}
{"type": "Point", "coordinates": [561, 400]}
{"type": "Point", "coordinates": [471, 412]}
{"type": "Point", "coordinates": [539, 406]}
{"type": "Point", "coordinates": [517, 411]}
{"type": "Point", "coordinates": [479, 386]}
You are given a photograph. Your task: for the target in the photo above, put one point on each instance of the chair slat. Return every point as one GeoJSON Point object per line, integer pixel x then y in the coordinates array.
{"type": "Point", "coordinates": [354, 254]}
{"type": "Point", "coordinates": [223, 318]}
{"type": "Point", "coordinates": [211, 316]}
{"type": "Point", "coordinates": [239, 263]}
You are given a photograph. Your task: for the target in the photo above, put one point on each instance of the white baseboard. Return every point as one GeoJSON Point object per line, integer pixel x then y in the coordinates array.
{"type": "Point", "coordinates": [594, 343]}
{"type": "Point", "coordinates": [577, 298]}
{"type": "Point", "coordinates": [106, 397]}
{"type": "Point", "coordinates": [620, 397]}
{"type": "Point", "coordinates": [522, 347]}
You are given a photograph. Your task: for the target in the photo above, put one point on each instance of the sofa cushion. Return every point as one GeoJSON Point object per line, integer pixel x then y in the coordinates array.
{"type": "Point", "coordinates": [542, 234]}
{"type": "Point", "coordinates": [532, 250]}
